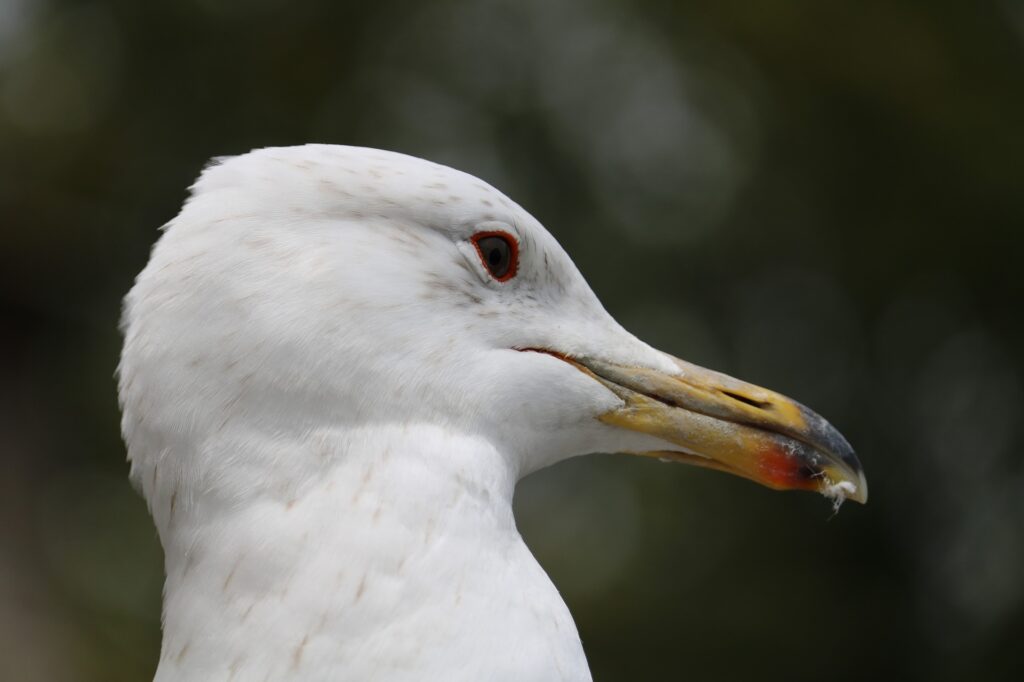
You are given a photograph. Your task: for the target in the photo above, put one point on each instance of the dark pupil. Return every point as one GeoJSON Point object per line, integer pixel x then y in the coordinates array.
{"type": "Point", "coordinates": [498, 255]}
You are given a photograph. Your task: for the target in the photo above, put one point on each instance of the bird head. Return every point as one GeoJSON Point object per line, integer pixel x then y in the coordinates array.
{"type": "Point", "coordinates": [327, 285]}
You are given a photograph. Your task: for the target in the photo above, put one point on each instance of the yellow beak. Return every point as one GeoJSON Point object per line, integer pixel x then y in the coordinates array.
{"type": "Point", "coordinates": [726, 424]}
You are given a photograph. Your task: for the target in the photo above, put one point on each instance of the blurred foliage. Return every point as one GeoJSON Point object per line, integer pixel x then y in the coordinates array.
{"type": "Point", "coordinates": [821, 197]}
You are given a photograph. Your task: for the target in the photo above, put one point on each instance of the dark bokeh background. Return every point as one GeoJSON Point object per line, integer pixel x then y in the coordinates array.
{"type": "Point", "coordinates": [822, 197]}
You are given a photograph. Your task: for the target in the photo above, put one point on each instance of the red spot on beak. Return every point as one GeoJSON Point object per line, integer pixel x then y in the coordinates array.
{"type": "Point", "coordinates": [782, 469]}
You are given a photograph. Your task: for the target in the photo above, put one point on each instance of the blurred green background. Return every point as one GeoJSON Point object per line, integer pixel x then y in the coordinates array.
{"type": "Point", "coordinates": [826, 198]}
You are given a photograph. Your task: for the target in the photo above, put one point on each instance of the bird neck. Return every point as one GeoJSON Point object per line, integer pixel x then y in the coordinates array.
{"type": "Point", "coordinates": [358, 569]}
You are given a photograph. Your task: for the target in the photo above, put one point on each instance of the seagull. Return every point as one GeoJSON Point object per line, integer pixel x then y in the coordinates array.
{"type": "Point", "coordinates": [337, 364]}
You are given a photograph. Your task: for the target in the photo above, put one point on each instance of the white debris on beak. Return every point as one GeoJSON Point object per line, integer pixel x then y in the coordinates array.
{"type": "Point", "coordinates": [837, 492]}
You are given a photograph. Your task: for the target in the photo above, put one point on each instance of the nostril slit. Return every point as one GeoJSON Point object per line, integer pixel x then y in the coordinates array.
{"type": "Point", "coordinates": [759, 404]}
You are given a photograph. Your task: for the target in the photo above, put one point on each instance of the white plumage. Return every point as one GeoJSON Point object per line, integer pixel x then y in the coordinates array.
{"type": "Point", "coordinates": [327, 408]}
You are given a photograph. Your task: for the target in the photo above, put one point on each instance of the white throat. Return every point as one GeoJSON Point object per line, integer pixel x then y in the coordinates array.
{"type": "Point", "coordinates": [399, 560]}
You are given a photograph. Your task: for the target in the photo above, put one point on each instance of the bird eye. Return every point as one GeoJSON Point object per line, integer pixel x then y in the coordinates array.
{"type": "Point", "coordinates": [499, 252]}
